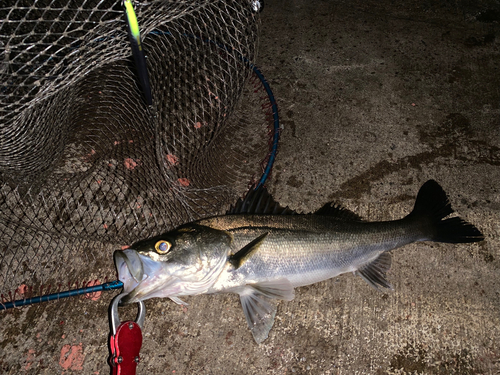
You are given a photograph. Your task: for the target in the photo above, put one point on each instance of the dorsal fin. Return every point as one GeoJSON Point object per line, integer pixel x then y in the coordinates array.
{"type": "Point", "coordinates": [259, 202]}
{"type": "Point", "coordinates": [331, 209]}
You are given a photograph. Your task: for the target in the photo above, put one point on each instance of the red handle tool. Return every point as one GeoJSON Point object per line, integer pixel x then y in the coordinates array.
{"type": "Point", "coordinates": [125, 340]}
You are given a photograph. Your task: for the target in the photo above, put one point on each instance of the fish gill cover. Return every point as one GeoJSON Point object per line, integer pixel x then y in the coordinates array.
{"type": "Point", "coordinates": [85, 165]}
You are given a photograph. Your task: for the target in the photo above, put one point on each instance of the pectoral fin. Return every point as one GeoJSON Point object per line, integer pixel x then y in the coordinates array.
{"type": "Point", "coordinates": [259, 305]}
{"type": "Point", "coordinates": [374, 273]}
{"type": "Point", "coordinates": [242, 255]}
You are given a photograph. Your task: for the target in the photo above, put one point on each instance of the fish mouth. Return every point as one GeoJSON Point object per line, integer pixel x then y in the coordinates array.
{"type": "Point", "coordinates": [138, 273]}
{"type": "Point", "coordinates": [130, 268]}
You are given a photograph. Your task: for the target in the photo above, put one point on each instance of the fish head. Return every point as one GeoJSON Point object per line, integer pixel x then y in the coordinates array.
{"type": "Point", "coordinates": [185, 261]}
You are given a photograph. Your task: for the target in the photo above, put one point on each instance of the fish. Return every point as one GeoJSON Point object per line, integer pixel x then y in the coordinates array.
{"type": "Point", "coordinates": [263, 251]}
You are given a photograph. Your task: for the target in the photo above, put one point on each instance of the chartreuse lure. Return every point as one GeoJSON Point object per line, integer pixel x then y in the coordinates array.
{"type": "Point", "coordinates": [138, 51]}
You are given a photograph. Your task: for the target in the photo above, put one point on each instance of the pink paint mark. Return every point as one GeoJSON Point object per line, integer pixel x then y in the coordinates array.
{"type": "Point", "coordinates": [93, 296]}
{"type": "Point", "coordinates": [29, 359]}
{"type": "Point", "coordinates": [172, 159]}
{"type": "Point", "coordinates": [72, 357]}
{"type": "Point", "coordinates": [130, 163]}
{"type": "Point", "coordinates": [105, 226]}
{"type": "Point", "coordinates": [88, 157]}
{"type": "Point", "coordinates": [21, 290]}
{"type": "Point", "coordinates": [125, 247]}
{"type": "Point", "coordinates": [184, 181]}
{"type": "Point", "coordinates": [197, 125]}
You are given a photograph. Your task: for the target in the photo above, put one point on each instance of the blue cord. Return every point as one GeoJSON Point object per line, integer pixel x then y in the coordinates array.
{"type": "Point", "coordinates": [276, 135]}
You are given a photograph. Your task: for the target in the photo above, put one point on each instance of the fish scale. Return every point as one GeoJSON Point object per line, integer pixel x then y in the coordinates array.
{"type": "Point", "coordinates": [306, 254]}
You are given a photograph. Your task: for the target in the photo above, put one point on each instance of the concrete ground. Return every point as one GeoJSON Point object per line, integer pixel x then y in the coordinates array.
{"type": "Point", "coordinates": [375, 98]}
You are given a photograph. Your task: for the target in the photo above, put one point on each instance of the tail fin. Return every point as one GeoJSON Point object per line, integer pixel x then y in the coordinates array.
{"type": "Point", "coordinates": [432, 205]}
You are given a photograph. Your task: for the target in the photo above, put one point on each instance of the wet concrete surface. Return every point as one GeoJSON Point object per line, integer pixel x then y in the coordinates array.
{"type": "Point", "coordinates": [375, 98]}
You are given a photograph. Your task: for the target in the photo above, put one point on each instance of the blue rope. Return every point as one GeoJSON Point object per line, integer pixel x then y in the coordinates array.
{"type": "Point", "coordinates": [276, 135]}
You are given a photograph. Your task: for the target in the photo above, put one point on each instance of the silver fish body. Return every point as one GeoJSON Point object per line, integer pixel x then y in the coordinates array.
{"type": "Point", "coordinates": [263, 256]}
{"type": "Point", "coordinates": [305, 249]}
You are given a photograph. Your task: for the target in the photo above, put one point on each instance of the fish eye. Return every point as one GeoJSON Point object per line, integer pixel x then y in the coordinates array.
{"type": "Point", "coordinates": [162, 247]}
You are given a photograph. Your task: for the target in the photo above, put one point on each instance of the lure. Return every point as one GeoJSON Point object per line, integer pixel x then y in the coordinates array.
{"type": "Point", "coordinates": [137, 51]}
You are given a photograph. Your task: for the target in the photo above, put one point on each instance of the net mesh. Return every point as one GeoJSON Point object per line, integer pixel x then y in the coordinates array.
{"type": "Point", "coordinates": [85, 165]}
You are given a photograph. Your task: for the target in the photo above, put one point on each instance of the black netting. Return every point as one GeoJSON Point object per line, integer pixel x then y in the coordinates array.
{"type": "Point", "coordinates": [85, 165]}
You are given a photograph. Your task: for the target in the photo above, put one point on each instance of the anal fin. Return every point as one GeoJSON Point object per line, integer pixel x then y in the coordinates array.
{"type": "Point", "coordinates": [374, 273]}
{"type": "Point", "coordinates": [259, 305]}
